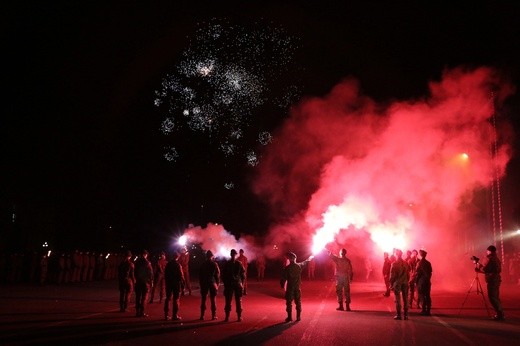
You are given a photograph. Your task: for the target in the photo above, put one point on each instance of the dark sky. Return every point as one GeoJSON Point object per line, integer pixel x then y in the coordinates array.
{"type": "Point", "coordinates": [82, 162]}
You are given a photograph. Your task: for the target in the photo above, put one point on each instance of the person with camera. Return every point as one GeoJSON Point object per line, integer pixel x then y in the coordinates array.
{"type": "Point", "coordinates": [491, 271]}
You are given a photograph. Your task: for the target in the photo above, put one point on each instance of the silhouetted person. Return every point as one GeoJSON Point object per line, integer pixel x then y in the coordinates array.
{"type": "Point", "coordinates": [125, 274]}
{"type": "Point", "coordinates": [492, 270]}
{"type": "Point", "coordinates": [184, 261]}
{"type": "Point", "coordinates": [209, 280]}
{"type": "Point", "coordinates": [344, 275]}
{"type": "Point", "coordinates": [412, 264]}
{"type": "Point", "coordinates": [387, 263]}
{"type": "Point", "coordinates": [159, 277]}
{"type": "Point", "coordinates": [291, 281]}
{"type": "Point", "coordinates": [423, 275]}
{"type": "Point", "coordinates": [143, 283]}
{"type": "Point", "coordinates": [399, 278]}
{"type": "Point", "coordinates": [260, 267]}
{"type": "Point", "coordinates": [243, 259]}
{"type": "Point", "coordinates": [233, 277]}
{"type": "Point", "coordinates": [174, 279]}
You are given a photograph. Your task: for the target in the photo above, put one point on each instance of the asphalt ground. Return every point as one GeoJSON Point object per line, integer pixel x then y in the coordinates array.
{"type": "Point", "coordinates": [88, 314]}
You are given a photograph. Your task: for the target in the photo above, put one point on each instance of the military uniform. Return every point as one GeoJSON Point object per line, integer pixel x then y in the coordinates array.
{"type": "Point", "coordinates": [143, 281]}
{"type": "Point", "coordinates": [209, 280]}
{"type": "Point", "coordinates": [399, 278]}
{"type": "Point", "coordinates": [344, 275]}
{"type": "Point", "coordinates": [291, 279]}
{"type": "Point", "coordinates": [423, 276]}
{"type": "Point", "coordinates": [174, 278]}
{"type": "Point", "coordinates": [233, 277]}
{"type": "Point", "coordinates": [159, 277]}
{"type": "Point", "coordinates": [126, 282]}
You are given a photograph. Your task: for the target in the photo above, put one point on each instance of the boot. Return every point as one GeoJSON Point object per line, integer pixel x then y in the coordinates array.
{"type": "Point", "coordinates": [214, 315]}
{"type": "Point", "coordinates": [298, 316]}
{"type": "Point", "coordinates": [348, 306]}
{"type": "Point", "coordinates": [239, 319]}
{"type": "Point", "coordinates": [499, 317]}
{"type": "Point", "coordinates": [398, 316]}
{"type": "Point", "coordinates": [289, 316]}
{"type": "Point", "coordinates": [340, 307]}
{"type": "Point", "coordinates": [202, 315]}
{"type": "Point", "coordinates": [227, 317]}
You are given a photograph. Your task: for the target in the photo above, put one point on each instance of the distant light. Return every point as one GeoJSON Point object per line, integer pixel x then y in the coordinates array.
{"type": "Point", "coordinates": [49, 253]}
{"type": "Point", "coordinates": [464, 156]}
{"type": "Point", "coordinates": [108, 255]}
{"type": "Point", "coordinates": [518, 231]}
{"type": "Point", "coordinates": [45, 244]}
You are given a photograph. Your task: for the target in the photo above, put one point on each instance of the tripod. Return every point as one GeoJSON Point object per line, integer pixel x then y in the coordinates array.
{"type": "Point", "coordinates": [479, 291]}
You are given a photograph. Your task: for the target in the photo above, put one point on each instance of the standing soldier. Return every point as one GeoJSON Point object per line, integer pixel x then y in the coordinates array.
{"type": "Point", "coordinates": [184, 261]}
{"type": "Point", "coordinates": [125, 273]}
{"type": "Point", "coordinates": [159, 277]}
{"type": "Point", "coordinates": [344, 276]}
{"type": "Point", "coordinates": [143, 283]}
{"type": "Point", "coordinates": [174, 279]}
{"type": "Point", "coordinates": [412, 263]}
{"type": "Point", "coordinates": [76, 265]}
{"type": "Point", "coordinates": [399, 278]}
{"type": "Point", "coordinates": [233, 277]}
{"type": "Point", "coordinates": [85, 263]}
{"type": "Point", "coordinates": [243, 259]}
{"type": "Point", "coordinates": [387, 263]}
{"type": "Point", "coordinates": [492, 270]}
{"type": "Point", "coordinates": [260, 267]}
{"type": "Point", "coordinates": [423, 275]}
{"type": "Point", "coordinates": [291, 281]}
{"type": "Point", "coordinates": [209, 279]}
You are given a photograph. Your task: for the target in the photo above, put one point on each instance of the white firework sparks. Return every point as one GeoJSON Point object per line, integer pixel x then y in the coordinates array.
{"type": "Point", "coordinates": [171, 154]}
{"type": "Point", "coordinates": [224, 76]}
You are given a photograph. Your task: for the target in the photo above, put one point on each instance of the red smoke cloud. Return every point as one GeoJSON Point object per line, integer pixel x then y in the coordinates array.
{"type": "Point", "coordinates": [381, 175]}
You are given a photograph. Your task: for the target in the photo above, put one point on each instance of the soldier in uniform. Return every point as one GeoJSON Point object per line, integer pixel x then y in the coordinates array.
{"type": "Point", "coordinates": [159, 277]}
{"type": "Point", "coordinates": [492, 270]}
{"type": "Point", "coordinates": [243, 259]}
{"type": "Point", "coordinates": [399, 278]}
{"type": "Point", "coordinates": [209, 280]}
{"type": "Point", "coordinates": [423, 274]}
{"type": "Point", "coordinates": [291, 281]}
{"type": "Point", "coordinates": [126, 277]}
{"type": "Point", "coordinates": [233, 277]}
{"type": "Point", "coordinates": [184, 260]}
{"type": "Point", "coordinates": [387, 263]}
{"type": "Point", "coordinates": [143, 282]}
{"type": "Point", "coordinates": [260, 267]}
{"type": "Point", "coordinates": [344, 275]}
{"type": "Point", "coordinates": [412, 263]}
{"type": "Point", "coordinates": [174, 279]}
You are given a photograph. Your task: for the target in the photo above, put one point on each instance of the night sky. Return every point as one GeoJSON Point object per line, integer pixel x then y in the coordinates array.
{"type": "Point", "coordinates": [82, 150]}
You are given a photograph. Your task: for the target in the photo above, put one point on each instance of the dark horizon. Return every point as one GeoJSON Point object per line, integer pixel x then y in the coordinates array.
{"type": "Point", "coordinates": [83, 163]}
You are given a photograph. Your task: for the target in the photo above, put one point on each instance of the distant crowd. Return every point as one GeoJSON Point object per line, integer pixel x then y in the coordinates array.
{"type": "Point", "coordinates": [58, 268]}
{"type": "Point", "coordinates": [83, 266]}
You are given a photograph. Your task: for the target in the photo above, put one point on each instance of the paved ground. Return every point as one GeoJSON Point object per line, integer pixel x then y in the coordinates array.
{"type": "Point", "coordinates": [88, 313]}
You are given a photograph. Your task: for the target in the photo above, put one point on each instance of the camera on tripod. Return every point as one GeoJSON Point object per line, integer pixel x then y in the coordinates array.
{"type": "Point", "coordinates": [475, 259]}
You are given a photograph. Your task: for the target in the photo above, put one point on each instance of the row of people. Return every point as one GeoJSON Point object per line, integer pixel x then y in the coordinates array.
{"type": "Point", "coordinates": [58, 268]}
